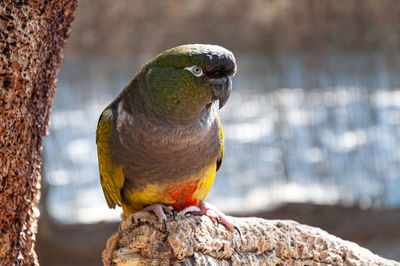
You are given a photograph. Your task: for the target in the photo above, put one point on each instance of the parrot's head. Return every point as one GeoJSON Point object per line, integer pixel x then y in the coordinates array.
{"type": "Point", "coordinates": [181, 83]}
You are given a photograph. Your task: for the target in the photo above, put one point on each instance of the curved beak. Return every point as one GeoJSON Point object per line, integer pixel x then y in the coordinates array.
{"type": "Point", "coordinates": [221, 89]}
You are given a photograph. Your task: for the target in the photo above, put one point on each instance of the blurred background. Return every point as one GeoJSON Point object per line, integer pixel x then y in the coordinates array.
{"type": "Point", "coordinates": [312, 127]}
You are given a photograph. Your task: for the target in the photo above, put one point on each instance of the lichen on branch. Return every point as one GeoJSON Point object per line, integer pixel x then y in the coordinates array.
{"type": "Point", "coordinates": [140, 240]}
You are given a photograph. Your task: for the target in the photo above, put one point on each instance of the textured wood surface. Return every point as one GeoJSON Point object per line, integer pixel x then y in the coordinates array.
{"type": "Point", "coordinates": [198, 241]}
{"type": "Point", "coordinates": [32, 35]}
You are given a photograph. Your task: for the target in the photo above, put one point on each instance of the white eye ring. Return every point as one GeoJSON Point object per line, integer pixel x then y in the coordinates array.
{"type": "Point", "coordinates": [195, 70]}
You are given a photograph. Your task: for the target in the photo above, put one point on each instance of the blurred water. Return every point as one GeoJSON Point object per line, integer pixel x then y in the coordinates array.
{"type": "Point", "coordinates": [297, 129]}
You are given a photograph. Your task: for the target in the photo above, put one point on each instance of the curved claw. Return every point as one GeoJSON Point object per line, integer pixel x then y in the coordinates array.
{"type": "Point", "coordinates": [159, 210]}
{"type": "Point", "coordinates": [173, 214]}
{"type": "Point", "coordinates": [218, 220]}
{"type": "Point", "coordinates": [238, 230]}
{"type": "Point", "coordinates": [165, 225]}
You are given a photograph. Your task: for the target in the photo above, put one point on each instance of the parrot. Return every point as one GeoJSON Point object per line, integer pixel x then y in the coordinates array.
{"type": "Point", "coordinates": [160, 141]}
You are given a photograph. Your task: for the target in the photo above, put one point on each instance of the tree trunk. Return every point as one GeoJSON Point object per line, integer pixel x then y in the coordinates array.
{"type": "Point", "coordinates": [32, 36]}
{"type": "Point", "coordinates": [141, 240]}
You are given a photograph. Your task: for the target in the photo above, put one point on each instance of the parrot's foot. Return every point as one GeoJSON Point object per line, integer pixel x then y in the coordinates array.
{"type": "Point", "coordinates": [216, 215]}
{"type": "Point", "coordinates": [159, 210]}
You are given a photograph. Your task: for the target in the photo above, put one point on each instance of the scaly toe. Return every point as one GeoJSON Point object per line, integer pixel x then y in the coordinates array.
{"type": "Point", "coordinates": [215, 215]}
{"type": "Point", "coordinates": [158, 209]}
{"type": "Point", "coordinates": [167, 209]}
{"type": "Point", "coordinates": [227, 223]}
{"type": "Point", "coordinates": [170, 211]}
{"type": "Point", "coordinates": [194, 213]}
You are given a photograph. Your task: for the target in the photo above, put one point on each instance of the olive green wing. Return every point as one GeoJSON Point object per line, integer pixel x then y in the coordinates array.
{"type": "Point", "coordinates": [111, 175]}
{"type": "Point", "coordinates": [221, 134]}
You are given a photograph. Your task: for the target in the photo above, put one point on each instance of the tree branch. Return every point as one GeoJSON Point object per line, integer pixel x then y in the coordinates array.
{"type": "Point", "coordinates": [198, 241]}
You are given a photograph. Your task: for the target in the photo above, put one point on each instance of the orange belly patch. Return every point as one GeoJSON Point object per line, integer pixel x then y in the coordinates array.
{"type": "Point", "coordinates": [182, 193]}
{"type": "Point", "coordinates": [179, 195]}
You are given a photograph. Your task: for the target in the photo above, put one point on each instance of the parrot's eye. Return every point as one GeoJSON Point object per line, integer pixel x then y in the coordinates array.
{"type": "Point", "coordinates": [195, 70]}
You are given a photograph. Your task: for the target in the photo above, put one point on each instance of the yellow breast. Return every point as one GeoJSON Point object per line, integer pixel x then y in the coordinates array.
{"type": "Point", "coordinates": [180, 194]}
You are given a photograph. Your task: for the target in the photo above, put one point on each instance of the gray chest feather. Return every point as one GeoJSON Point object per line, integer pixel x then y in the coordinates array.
{"type": "Point", "coordinates": [154, 152]}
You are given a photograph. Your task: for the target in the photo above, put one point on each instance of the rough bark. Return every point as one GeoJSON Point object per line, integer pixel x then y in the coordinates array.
{"type": "Point", "coordinates": [32, 35]}
{"type": "Point", "coordinates": [140, 240]}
